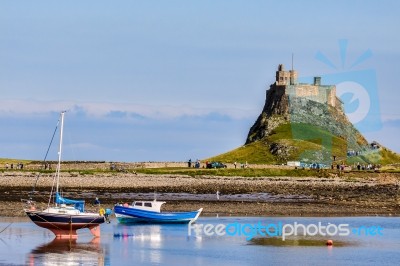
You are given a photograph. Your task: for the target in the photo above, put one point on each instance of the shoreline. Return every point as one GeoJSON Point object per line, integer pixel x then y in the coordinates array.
{"type": "Point", "coordinates": [373, 195]}
{"type": "Point", "coordinates": [232, 209]}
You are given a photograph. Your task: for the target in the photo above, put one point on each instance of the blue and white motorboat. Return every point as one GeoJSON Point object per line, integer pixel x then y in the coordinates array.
{"type": "Point", "coordinates": [150, 212]}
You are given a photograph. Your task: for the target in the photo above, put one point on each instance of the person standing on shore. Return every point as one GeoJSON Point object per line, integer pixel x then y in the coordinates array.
{"type": "Point", "coordinates": [190, 163]}
{"type": "Point", "coordinates": [97, 201]}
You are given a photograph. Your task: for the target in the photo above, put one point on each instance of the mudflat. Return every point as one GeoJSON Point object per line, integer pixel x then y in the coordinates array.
{"type": "Point", "coordinates": [348, 195]}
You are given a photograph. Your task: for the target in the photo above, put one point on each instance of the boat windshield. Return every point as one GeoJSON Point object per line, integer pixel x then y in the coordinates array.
{"type": "Point", "coordinates": [141, 204]}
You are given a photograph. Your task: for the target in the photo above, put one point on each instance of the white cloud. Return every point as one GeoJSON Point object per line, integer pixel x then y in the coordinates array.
{"type": "Point", "coordinates": [84, 145]}
{"type": "Point", "coordinates": [101, 109]}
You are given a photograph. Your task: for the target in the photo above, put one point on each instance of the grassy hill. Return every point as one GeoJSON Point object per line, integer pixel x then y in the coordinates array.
{"type": "Point", "coordinates": [306, 143]}
{"type": "Point", "coordinates": [4, 161]}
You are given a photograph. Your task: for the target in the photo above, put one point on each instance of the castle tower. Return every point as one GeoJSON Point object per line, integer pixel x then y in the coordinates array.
{"type": "Point", "coordinates": [285, 77]}
{"type": "Point", "coordinates": [293, 77]}
{"type": "Point", "coordinates": [317, 81]}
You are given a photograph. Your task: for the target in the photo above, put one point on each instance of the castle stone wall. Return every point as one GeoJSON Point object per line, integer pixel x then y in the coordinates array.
{"type": "Point", "coordinates": [325, 94]}
{"type": "Point", "coordinates": [286, 82]}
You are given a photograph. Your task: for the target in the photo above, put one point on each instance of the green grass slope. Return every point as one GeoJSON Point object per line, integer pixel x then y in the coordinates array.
{"type": "Point", "coordinates": [302, 142]}
{"type": "Point", "coordinates": [4, 161]}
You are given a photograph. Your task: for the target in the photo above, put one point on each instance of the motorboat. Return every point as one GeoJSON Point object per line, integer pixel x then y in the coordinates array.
{"type": "Point", "coordinates": [150, 212]}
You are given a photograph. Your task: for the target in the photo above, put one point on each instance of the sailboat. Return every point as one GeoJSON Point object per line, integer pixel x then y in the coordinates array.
{"type": "Point", "coordinates": [66, 215]}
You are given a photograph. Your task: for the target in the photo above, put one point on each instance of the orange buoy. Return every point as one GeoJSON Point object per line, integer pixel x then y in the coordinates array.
{"type": "Point", "coordinates": [329, 242]}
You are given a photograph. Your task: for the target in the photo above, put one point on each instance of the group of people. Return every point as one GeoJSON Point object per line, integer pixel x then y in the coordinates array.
{"type": "Point", "coordinates": [11, 166]}
{"type": "Point", "coordinates": [196, 165]}
{"type": "Point", "coordinates": [357, 166]}
{"type": "Point", "coordinates": [242, 165]}
{"type": "Point", "coordinates": [366, 166]}
{"type": "Point", "coordinates": [339, 166]}
{"type": "Point", "coordinates": [372, 148]}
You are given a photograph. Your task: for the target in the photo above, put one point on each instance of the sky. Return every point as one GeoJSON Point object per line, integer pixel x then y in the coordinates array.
{"type": "Point", "coordinates": [179, 80]}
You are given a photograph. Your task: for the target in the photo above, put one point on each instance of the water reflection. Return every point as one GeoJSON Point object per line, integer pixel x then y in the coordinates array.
{"type": "Point", "coordinates": [149, 233]}
{"type": "Point", "coordinates": [70, 252]}
{"type": "Point", "coordinates": [297, 241]}
{"type": "Point", "coordinates": [170, 245]}
{"type": "Point", "coordinates": [147, 238]}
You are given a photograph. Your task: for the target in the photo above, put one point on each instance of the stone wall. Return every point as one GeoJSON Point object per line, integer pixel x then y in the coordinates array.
{"type": "Point", "coordinates": [118, 166]}
{"type": "Point", "coordinates": [122, 166]}
{"type": "Point", "coordinates": [325, 94]}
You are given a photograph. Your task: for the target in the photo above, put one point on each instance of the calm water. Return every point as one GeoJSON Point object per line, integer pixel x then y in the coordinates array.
{"type": "Point", "coordinates": [23, 243]}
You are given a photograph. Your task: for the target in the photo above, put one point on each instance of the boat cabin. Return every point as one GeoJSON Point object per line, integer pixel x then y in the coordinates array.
{"type": "Point", "coordinates": [63, 209]}
{"type": "Point", "coordinates": [154, 205]}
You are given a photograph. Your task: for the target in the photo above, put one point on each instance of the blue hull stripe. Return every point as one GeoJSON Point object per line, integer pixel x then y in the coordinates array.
{"type": "Point", "coordinates": [150, 216]}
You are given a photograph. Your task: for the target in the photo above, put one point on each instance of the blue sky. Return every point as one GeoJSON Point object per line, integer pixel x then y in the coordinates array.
{"type": "Point", "coordinates": [173, 80]}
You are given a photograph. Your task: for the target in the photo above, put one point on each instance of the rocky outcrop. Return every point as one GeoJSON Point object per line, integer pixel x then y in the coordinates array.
{"type": "Point", "coordinates": [326, 117]}
{"type": "Point", "coordinates": [281, 151]}
{"type": "Point", "coordinates": [280, 108]}
{"type": "Point", "coordinates": [274, 113]}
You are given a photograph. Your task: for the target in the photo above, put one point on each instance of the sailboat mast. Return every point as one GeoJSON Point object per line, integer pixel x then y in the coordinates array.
{"type": "Point", "coordinates": [60, 150]}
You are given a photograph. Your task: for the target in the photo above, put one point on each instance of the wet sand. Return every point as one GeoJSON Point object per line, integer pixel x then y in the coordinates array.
{"type": "Point", "coordinates": [349, 195]}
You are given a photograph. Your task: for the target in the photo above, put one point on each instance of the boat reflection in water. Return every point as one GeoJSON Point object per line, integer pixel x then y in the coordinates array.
{"type": "Point", "coordinates": [148, 240]}
{"type": "Point", "coordinates": [70, 252]}
{"type": "Point", "coordinates": [149, 244]}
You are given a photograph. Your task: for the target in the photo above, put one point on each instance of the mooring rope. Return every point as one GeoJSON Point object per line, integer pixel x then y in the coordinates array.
{"type": "Point", "coordinates": [47, 221]}
{"type": "Point", "coordinates": [6, 228]}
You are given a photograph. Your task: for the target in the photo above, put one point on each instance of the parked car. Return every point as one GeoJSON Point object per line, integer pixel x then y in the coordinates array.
{"type": "Point", "coordinates": [216, 165]}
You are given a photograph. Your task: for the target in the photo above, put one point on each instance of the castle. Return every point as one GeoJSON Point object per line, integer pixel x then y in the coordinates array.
{"type": "Point", "coordinates": [289, 100]}
{"type": "Point", "coordinates": [286, 84]}
{"type": "Point", "coordinates": [302, 122]}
